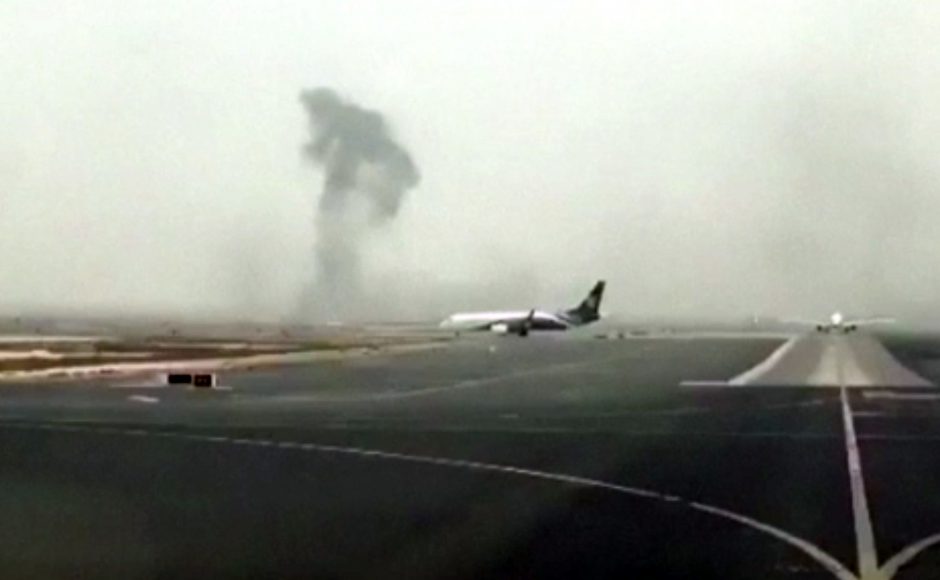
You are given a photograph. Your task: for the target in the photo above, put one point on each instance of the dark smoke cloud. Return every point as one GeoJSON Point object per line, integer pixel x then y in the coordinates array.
{"type": "Point", "coordinates": [354, 147]}
{"type": "Point", "coordinates": [366, 176]}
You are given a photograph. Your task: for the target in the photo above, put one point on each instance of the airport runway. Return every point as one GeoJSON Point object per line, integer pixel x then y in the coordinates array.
{"type": "Point", "coordinates": [831, 360]}
{"type": "Point", "coordinates": [552, 457]}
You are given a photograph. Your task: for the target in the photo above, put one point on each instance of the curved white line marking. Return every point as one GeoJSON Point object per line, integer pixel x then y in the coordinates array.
{"type": "Point", "coordinates": [770, 362]}
{"type": "Point", "coordinates": [892, 566]}
{"type": "Point", "coordinates": [826, 561]}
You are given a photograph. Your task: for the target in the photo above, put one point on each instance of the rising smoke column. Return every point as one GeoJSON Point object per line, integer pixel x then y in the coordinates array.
{"type": "Point", "coordinates": [366, 176]}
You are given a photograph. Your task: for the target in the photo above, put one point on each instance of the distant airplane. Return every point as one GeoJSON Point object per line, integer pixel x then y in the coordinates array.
{"type": "Point", "coordinates": [838, 323]}
{"type": "Point", "coordinates": [521, 322]}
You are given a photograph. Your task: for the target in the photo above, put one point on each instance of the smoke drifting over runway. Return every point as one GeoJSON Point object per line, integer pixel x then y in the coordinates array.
{"type": "Point", "coordinates": [366, 176]}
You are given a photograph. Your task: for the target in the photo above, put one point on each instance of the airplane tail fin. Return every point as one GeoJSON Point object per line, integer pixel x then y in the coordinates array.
{"type": "Point", "coordinates": [589, 309]}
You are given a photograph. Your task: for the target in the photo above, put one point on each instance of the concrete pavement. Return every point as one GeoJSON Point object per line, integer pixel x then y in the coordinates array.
{"type": "Point", "coordinates": [546, 458]}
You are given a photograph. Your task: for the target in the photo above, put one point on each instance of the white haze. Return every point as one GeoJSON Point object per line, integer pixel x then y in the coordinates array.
{"type": "Point", "coordinates": [720, 158]}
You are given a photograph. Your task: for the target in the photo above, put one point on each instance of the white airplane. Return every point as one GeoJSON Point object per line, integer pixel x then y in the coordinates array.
{"type": "Point", "coordinates": [838, 323]}
{"type": "Point", "coordinates": [521, 322]}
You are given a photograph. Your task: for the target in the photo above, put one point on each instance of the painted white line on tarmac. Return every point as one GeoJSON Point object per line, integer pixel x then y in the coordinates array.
{"type": "Point", "coordinates": [867, 551]}
{"type": "Point", "coordinates": [864, 534]}
{"type": "Point", "coordinates": [826, 561]}
{"type": "Point", "coordinates": [893, 566]}
{"type": "Point", "coordinates": [143, 399]}
{"type": "Point", "coordinates": [706, 384]}
{"type": "Point", "coordinates": [901, 396]}
{"type": "Point", "coordinates": [771, 361]}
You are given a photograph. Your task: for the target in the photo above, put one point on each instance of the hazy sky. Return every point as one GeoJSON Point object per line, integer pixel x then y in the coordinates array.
{"type": "Point", "coordinates": [706, 158]}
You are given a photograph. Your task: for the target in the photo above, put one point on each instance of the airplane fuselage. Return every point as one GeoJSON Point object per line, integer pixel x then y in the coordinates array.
{"type": "Point", "coordinates": [521, 322]}
{"type": "Point", "coordinates": [504, 321]}
{"type": "Point", "coordinates": [837, 324]}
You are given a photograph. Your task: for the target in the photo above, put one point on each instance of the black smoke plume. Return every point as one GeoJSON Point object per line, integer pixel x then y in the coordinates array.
{"type": "Point", "coordinates": [366, 176]}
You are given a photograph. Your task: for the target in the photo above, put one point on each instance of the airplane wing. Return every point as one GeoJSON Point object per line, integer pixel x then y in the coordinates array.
{"type": "Point", "coordinates": [870, 321]}
{"type": "Point", "coordinates": [515, 324]}
{"type": "Point", "coordinates": [802, 321]}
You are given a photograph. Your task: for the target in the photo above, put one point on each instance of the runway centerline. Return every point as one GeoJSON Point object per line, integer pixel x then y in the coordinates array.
{"type": "Point", "coordinates": [864, 534]}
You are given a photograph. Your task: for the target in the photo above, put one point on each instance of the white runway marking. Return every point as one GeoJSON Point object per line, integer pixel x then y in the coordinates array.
{"type": "Point", "coordinates": [706, 384]}
{"type": "Point", "coordinates": [901, 396]}
{"type": "Point", "coordinates": [771, 361]}
{"type": "Point", "coordinates": [868, 414]}
{"type": "Point", "coordinates": [900, 438]}
{"type": "Point", "coordinates": [864, 535]}
{"type": "Point", "coordinates": [893, 565]}
{"type": "Point", "coordinates": [867, 553]}
{"type": "Point", "coordinates": [826, 561]}
{"type": "Point", "coordinates": [143, 399]}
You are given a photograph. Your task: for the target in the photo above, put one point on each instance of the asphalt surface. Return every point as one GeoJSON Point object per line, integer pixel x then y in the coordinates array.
{"type": "Point", "coordinates": [551, 457]}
